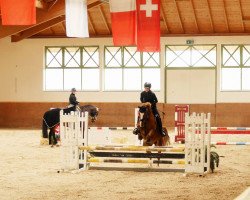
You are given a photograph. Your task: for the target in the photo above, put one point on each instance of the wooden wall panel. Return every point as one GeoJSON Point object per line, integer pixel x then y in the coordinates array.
{"type": "Point", "coordinates": [29, 115]}
{"type": "Point", "coordinates": [230, 114]}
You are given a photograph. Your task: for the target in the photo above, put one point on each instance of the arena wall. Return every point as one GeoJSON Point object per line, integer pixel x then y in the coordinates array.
{"type": "Point", "coordinates": [23, 100]}
{"type": "Point", "coordinates": [29, 115]}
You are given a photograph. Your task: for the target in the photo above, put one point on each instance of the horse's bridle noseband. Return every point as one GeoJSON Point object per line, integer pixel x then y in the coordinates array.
{"type": "Point", "coordinates": [143, 110]}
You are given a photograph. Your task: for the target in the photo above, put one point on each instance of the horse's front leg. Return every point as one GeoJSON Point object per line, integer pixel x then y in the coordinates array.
{"type": "Point", "coordinates": [148, 139]}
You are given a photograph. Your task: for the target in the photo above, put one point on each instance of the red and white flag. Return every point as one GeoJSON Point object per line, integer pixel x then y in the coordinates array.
{"type": "Point", "coordinates": [18, 12]}
{"type": "Point", "coordinates": [76, 18]}
{"type": "Point", "coordinates": [148, 25]}
{"type": "Point", "coordinates": [123, 17]}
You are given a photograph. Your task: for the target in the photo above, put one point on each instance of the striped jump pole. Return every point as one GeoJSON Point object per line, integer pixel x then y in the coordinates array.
{"type": "Point", "coordinates": [169, 155]}
{"type": "Point", "coordinates": [230, 130]}
{"type": "Point", "coordinates": [197, 143]}
{"type": "Point", "coordinates": [135, 161]}
{"type": "Point", "coordinates": [133, 148]}
{"type": "Point", "coordinates": [230, 143]}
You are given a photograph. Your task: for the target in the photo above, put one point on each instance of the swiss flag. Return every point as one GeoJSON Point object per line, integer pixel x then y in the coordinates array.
{"type": "Point", "coordinates": [148, 25]}
{"type": "Point", "coordinates": [123, 17]}
{"type": "Point", "coordinates": [136, 22]}
{"type": "Point", "coordinates": [18, 12]}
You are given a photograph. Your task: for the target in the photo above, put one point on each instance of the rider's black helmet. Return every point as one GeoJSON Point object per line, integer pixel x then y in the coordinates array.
{"type": "Point", "coordinates": [73, 90]}
{"type": "Point", "coordinates": [147, 84]}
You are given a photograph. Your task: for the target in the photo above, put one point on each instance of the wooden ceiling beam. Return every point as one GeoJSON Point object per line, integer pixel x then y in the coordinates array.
{"type": "Point", "coordinates": [195, 17]}
{"type": "Point", "coordinates": [204, 34]}
{"type": "Point", "coordinates": [179, 16]}
{"type": "Point", "coordinates": [241, 14]}
{"type": "Point", "coordinates": [52, 30]}
{"type": "Point", "coordinates": [164, 17]}
{"type": "Point", "coordinates": [63, 26]}
{"type": "Point", "coordinates": [225, 15]}
{"type": "Point", "coordinates": [162, 35]}
{"type": "Point", "coordinates": [95, 4]}
{"type": "Point", "coordinates": [52, 4]}
{"type": "Point", "coordinates": [91, 23]}
{"type": "Point", "coordinates": [210, 15]}
{"type": "Point", "coordinates": [104, 20]}
{"type": "Point", "coordinates": [42, 16]}
{"type": "Point", "coordinates": [36, 29]}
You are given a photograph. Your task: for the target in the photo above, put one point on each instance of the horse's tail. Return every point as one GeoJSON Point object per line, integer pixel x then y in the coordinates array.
{"type": "Point", "coordinates": [45, 129]}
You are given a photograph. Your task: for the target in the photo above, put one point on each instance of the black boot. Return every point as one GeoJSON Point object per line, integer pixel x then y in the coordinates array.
{"type": "Point", "coordinates": [136, 131]}
{"type": "Point", "coordinates": [159, 126]}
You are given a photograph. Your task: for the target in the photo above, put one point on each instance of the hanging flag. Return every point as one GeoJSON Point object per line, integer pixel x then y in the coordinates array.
{"type": "Point", "coordinates": [76, 18]}
{"type": "Point", "coordinates": [18, 12]}
{"type": "Point", "coordinates": [148, 25]}
{"type": "Point", "coordinates": [123, 18]}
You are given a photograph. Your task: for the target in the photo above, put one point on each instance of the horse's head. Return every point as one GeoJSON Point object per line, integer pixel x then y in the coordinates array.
{"type": "Point", "coordinates": [144, 111]}
{"type": "Point", "coordinates": [92, 110]}
{"type": "Point", "coordinates": [93, 113]}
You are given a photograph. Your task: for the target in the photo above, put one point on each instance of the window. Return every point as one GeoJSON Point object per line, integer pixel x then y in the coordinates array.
{"type": "Point", "coordinates": [68, 67]}
{"type": "Point", "coordinates": [197, 56]}
{"type": "Point", "coordinates": [235, 68]}
{"type": "Point", "coordinates": [127, 70]}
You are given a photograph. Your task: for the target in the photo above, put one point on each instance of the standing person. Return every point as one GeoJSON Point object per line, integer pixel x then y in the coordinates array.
{"type": "Point", "coordinates": [72, 98]}
{"type": "Point", "coordinates": [148, 96]}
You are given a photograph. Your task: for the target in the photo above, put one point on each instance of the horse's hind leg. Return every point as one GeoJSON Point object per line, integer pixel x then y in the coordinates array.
{"type": "Point", "coordinates": [54, 140]}
{"type": "Point", "coordinates": [52, 137]}
{"type": "Point", "coordinates": [44, 130]}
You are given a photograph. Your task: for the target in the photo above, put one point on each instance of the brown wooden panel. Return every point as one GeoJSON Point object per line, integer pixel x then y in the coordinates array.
{"type": "Point", "coordinates": [29, 115]}
{"type": "Point", "coordinates": [233, 114]}
{"type": "Point", "coordinates": [205, 108]}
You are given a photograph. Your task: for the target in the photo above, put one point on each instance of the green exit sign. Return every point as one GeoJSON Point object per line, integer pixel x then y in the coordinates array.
{"type": "Point", "coordinates": [189, 41]}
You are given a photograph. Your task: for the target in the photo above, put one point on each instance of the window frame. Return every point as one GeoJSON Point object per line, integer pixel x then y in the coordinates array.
{"type": "Point", "coordinates": [63, 66]}
{"type": "Point", "coordinates": [124, 67]}
{"type": "Point", "coordinates": [190, 65]}
{"type": "Point", "coordinates": [241, 66]}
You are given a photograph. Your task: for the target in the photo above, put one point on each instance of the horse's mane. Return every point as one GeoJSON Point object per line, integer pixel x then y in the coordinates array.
{"type": "Point", "coordinates": [87, 107]}
{"type": "Point", "coordinates": [146, 104]}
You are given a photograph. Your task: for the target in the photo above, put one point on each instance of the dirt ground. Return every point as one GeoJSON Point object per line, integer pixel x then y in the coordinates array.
{"type": "Point", "coordinates": [29, 171]}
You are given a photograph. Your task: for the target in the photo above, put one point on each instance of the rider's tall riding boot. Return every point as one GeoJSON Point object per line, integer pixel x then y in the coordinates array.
{"type": "Point", "coordinates": [159, 125]}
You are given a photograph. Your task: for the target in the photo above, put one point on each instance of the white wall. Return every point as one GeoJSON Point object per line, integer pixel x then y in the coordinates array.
{"type": "Point", "coordinates": [21, 69]}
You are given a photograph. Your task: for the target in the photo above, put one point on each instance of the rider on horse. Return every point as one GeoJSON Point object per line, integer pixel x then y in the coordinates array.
{"type": "Point", "coordinates": [148, 96]}
{"type": "Point", "coordinates": [72, 99]}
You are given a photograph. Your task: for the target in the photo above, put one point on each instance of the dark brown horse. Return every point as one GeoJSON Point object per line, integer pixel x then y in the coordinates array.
{"type": "Point", "coordinates": [148, 128]}
{"type": "Point", "coordinates": [51, 119]}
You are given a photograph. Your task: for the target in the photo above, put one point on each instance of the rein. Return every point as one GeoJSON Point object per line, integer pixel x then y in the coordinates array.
{"type": "Point", "coordinates": [163, 114]}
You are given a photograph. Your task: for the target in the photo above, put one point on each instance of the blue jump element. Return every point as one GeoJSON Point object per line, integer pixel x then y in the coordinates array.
{"type": "Point", "coordinates": [241, 128]}
{"type": "Point", "coordinates": [241, 143]}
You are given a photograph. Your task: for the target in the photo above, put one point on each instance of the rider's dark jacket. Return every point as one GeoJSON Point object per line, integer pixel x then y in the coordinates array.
{"type": "Point", "coordinates": [72, 99]}
{"type": "Point", "coordinates": [151, 98]}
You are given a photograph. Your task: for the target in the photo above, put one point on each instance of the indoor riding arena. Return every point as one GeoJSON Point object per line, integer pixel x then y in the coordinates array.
{"type": "Point", "coordinates": [125, 99]}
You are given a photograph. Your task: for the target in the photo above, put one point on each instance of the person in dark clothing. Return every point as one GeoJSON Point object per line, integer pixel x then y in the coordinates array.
{"type": "Point", "coordinates": [148, 96]}
{"type": "Point", "coordinates": [72, 98]}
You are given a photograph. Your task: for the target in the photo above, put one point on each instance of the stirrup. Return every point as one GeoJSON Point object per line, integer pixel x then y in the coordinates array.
{"type": "Point", "coordinates": [163, 133]}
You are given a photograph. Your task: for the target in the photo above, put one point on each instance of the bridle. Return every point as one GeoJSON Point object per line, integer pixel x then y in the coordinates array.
{"type": "Point", "coordinates": [143, 116]}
